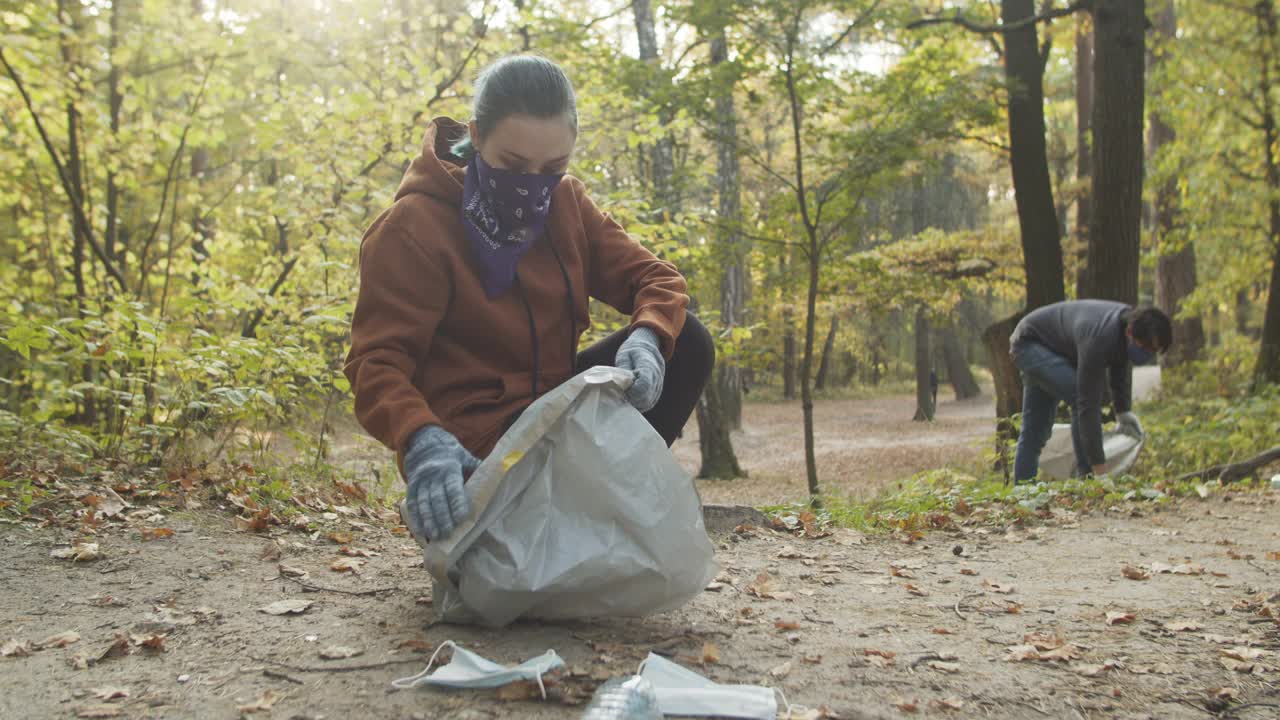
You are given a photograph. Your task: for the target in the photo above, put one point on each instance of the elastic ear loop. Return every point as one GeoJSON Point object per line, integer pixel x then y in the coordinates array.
{"type": "Point", "coordinates": [416, 680]}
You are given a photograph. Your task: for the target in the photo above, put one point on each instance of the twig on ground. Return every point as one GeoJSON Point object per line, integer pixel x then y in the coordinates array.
{"type": "Point", "coordinates": [281, 676]}
{"type": "Point", "coordinates": [1026, 704]}
{"type": "Point", "coordinates": [925, 658]}
{"type": "Point", "coordinates": [811, 618]}
{"type": "Point", "coordinates": [336, 668]}
{"type": "Point", "coordinates": [960, 601]}
{"type": "Point", "coordinates": [1232, 711]}
{"type": "Point", "coordinates": [308, 587]}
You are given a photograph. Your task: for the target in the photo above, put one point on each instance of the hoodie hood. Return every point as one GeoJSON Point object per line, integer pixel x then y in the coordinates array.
{"type": "Point", "coordinates": [436, 171]}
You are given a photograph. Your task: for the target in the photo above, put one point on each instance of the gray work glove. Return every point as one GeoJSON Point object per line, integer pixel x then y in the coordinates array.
{"type": "Point", "coordinates": [434, 464]}
{"type": "Point", "coordinates": [1127, 423]}
{"type": "Point", "coordinates": [639, 353]}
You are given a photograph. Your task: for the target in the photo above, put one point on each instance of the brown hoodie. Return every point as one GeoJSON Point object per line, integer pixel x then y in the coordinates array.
{"type": "Point", "coordinates": [429, 348]}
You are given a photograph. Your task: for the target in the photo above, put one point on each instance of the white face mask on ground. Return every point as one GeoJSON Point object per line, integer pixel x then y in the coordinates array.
{"type": "Point", "coordinates": [468, 670]}
{"type": "Point", "coordinates": [684, 692]}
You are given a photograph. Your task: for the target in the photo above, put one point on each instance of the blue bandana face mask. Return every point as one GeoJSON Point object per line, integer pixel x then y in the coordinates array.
{"type": "Point", "coordinates": [1139, 355]}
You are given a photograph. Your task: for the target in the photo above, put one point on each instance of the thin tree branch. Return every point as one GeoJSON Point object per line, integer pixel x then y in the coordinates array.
{"type": "Point", "coordinates": [170, 173]}
{"type": "Point", "coordinates": [251, 326]}
{"type": "Point", "coordinates": [77, 204]}
{"type": "Point", "coordinates": [959, 19]}
{"type": "Point", "coordinates": [857, 22]}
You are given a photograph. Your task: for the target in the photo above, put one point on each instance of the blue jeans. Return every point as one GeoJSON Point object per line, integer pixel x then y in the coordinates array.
{"type": "Point", "coordinates": [1047, 379]}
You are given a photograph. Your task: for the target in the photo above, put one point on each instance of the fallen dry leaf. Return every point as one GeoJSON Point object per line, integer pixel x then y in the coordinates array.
{"type": "Point", "coordinates": [268, 698]}
{"type": "Point", "coordinates": [1044, 641]}
{"type": "Point", "coordinates": [1238, 556]}
{"type": "Point", "coordinates": [901, 572]}
{"type": "Point", "coordinates": [1119, 618]}
{"type": "Point", "coordinates": [1182, 626]}
{"type": "Point", "coordinates": [908, 706]}
{"type": "Point", "coordinates": [1089, 670]}
{"type": "Point", "coordinates": [340, 537]}
{"type": "Point", "coordinates": [941, 631]}
{"type": "Point", "coordinates": [915, 590]}
{"type": "Point", "coordinates": [1273, 555]}
{"type": "Point", "coordinates": [787, 625]}
{"type": "Point", "coordinates": [1064, 653]}
{"type": "Point", "coordinates": [811, 659]}
{"type": "Point", "coordinates": [710, 653]}
{"type": "Point", "coordinates": [781, 671]}
{"type": "Point", "coordinates": [1134, 573]}
{"type": "Point", "coordinates": [291, 571]}
{"type": "Point", "coordinates": [947, 667]}
{"type": "Point", "coordinates": [790, 553]}
{"type": "Point", "coordinates": [153, 642]}
{"type": "Point", "coordinates": [16, 648]}
{"type": "Point", "coordinates": [519, 691]}
{"type": "Point", "coordinates": [1237, 665]}
{"type": "Point", "coordinates": [968, 571]}
{"type": "Point", "coordinates": [998, 588]}
{"type": "Point", "coordinates": [357, 552]}
{"type": "Point", "coordinates": [1021, 653]}
{"type": "Point", "coordinates": [1187, 569]}
{"type": "Point", "coordinates": [339, 652]}
{"type": "Point", "coordinates": [949, 703]}
{"type": "Point", "coordinates": [62, 639]}
{"type": "Point", "coordinates": [1158, 568]}
{"type": "Point", "coordinates": [98, 711]}
{"type": "Point", "coordinates": [1246, 654]}
{"type": "Point", "coordinates": [765, 587]}
{"type": "Point", "coordinates": [287, 607]}
{"type": "Point", "coordinates": [156, 533]}
{"type": "Point", "coordinates": [110, 693]}
{"type": "Point", "coordinates": [350, 565]}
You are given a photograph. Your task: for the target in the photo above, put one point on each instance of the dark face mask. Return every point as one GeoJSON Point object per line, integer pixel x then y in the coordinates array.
{"type": "Point", "coordinates": [1139, 355]}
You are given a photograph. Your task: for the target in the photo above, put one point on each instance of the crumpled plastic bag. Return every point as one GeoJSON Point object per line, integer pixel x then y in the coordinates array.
{"type": "Point", "coordinates": [1058, 458]}
{"type": "Point", "coordinates": [580, 511]}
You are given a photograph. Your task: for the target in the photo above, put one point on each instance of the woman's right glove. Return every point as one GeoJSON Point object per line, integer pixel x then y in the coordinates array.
{"type": "Point", "coordinates": [434, 466]}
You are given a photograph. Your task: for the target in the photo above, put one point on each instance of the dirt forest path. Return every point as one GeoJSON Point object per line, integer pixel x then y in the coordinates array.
{"type": "Point", "coordinates": [1016, 622]}
{"type": "Point", "coordinates": [860, 445]}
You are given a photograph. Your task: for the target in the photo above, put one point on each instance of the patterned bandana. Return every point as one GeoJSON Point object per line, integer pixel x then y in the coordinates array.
{"type": "Point", "coordinates": [503, 212]}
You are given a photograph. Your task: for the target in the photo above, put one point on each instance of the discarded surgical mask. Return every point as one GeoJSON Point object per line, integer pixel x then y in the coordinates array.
{"type": "Point", "coordinates": [580, 511]}
{"type": "Point", "coordinates": [684, 692]}
{"type": "Point", "coordinates": [468, 670]}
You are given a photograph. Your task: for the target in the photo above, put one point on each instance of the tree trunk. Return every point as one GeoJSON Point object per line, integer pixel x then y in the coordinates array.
{"type": "Point", "coordinates": [924, 366]}
{"type": "Point", "coordinates": [1115, 229]}
{"type": "Point", "coordinates": [114, 103]}
{"type": "Point", "coordinates": [788, 344]}
{"type": "Point", "coordinates": [718, 458]}
{"type": "Point", "coordinates": [958, 371]}
{"type": "Point", "coordinates": [723, 396]}
{"type": "Point", "coordinates": [1268, 368]}
{"type": "Point", "coordinates": [663, 155]}
{"type": "Point", "coordinates": [1033, 192]}
{"type": "Point", "coordinates": [1176, 266]}
{"type": "Point", "coordinates": [1008, 385]}
{"type": "Point", "coordinates": [828, 347]}
{"type": "Point", "coordinates": [1084, 145]}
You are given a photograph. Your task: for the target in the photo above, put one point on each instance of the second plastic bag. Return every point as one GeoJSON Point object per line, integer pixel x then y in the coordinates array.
{"type": "Point", "coordinates": [1059, 457]}
{"type": "Point", "coordinates": [581, 510]}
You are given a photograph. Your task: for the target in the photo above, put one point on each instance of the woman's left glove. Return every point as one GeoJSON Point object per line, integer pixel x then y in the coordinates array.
{"type": "Point", "coordinates": [640, 354]}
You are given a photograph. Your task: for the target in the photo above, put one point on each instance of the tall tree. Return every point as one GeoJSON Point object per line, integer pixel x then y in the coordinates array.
{"type": "Point", "coordinates": [1115, 231]}
{"type": "Point", "coordinates": [723, 396]}
{"type": "Point", "coordinates": [1176, 263]}
{"type": "Point", "coordinates": [1084, 146]}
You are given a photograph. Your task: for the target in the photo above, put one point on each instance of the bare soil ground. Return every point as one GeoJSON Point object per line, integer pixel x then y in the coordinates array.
{"type": "Point", "coordinates": [867, 627]}
{"type": "Point", "coordinates": [860, 446]}
{"type": "Point", "coordinates": [975, 621]}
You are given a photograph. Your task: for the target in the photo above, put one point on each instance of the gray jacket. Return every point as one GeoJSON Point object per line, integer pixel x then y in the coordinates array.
{"type": "Point", "coordinates": [1090, 334]}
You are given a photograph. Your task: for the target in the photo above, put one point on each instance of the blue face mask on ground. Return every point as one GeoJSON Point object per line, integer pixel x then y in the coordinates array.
{"type": "Point", "coordinates": [1139, 355]}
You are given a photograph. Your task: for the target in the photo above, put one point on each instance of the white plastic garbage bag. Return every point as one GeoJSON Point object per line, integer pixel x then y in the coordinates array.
{"type": "Point", "coordinates": [1059, 457]}
{"type": "Point", "coordinates": [581, 510]}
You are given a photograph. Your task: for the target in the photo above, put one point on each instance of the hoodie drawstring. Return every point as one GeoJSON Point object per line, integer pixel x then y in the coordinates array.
{"type": "Point", "coordinates": [533, 328]}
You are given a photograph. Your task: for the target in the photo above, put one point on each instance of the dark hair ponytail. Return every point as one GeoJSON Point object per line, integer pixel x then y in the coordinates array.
{"type": "Point", "coordinates": [519, 85]}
